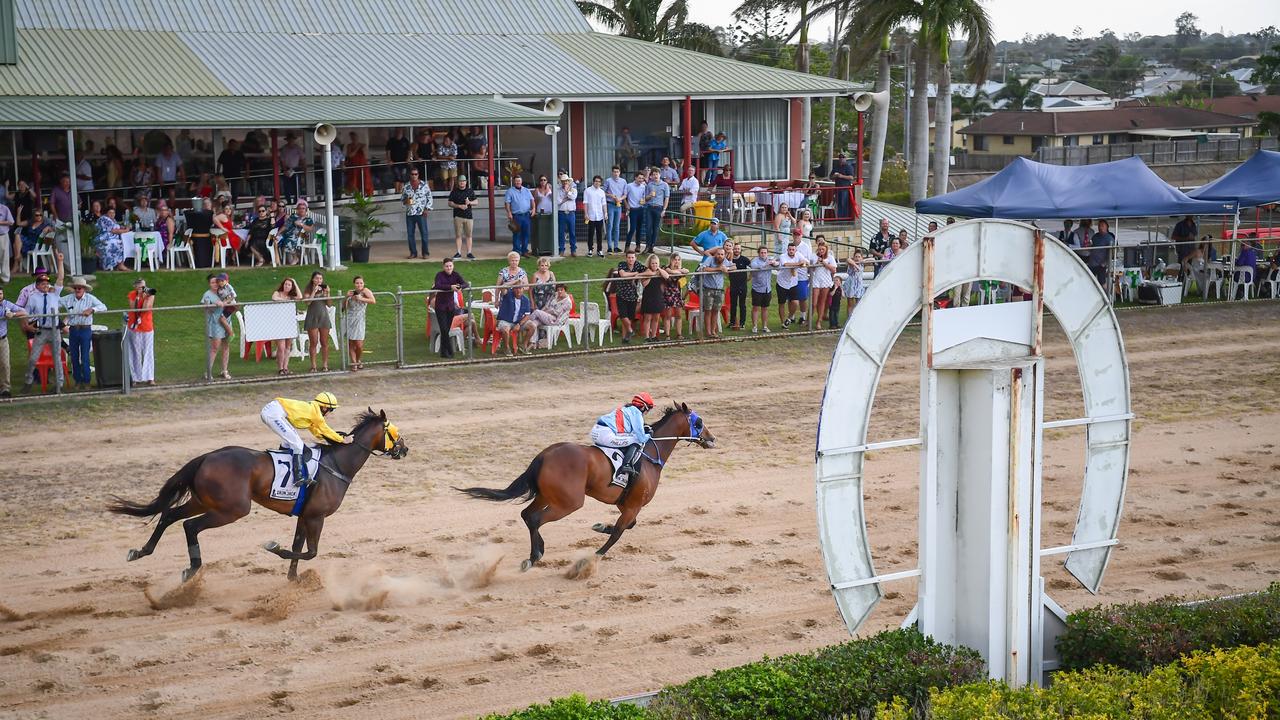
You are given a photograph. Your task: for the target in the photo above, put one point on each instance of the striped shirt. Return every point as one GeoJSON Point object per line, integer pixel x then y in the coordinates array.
{"type": "Point", "coordinates": [75, 307]}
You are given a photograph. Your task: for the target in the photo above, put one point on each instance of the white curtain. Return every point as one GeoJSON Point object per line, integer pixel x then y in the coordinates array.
{"type": "Point", "coordinates": [598, 125]}
{"type": "Point", "coordinates": [756, 131]}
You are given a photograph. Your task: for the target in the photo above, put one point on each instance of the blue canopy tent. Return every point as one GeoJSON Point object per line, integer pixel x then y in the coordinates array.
{"type": "Point", "coordinates": [1256, 182]}
{"type": "Point", "coordinates": [1028, 190]}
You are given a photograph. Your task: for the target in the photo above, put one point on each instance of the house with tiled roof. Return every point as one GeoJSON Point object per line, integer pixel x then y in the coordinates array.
{"type": "Point", "coordinates": [1012, 132]}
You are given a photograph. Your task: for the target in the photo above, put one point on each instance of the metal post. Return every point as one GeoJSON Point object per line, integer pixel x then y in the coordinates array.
{"type": "Point", "coordinates": [582, 312]}
{"type": "Point", "coordinates": [126, 368]}
{"type": "Point", "coordinates": [399, 327]}
{"type": "Point", "coordinates": [208, 355]}
{"type": "Point", "coordinates": [73, 240]}
{"type": "Point", "coordinates": [688, 130]}
{"type": "Point", "coordinates": [341, 319]}
{"type": "Point", "coordinates": [330, 220]}
{"type": "Point", "coordinates": [493, 226]}
{"type": "Point", "coordinates": [275, 163]}
{"type": "Point", "coordinates": [13, 140]}
{"type": "Point", "coordinates": [470, 345]}
{"type": "Point", "coordinates": [309, 155]}
{"type": "Point", "coordinates": [555, 205]}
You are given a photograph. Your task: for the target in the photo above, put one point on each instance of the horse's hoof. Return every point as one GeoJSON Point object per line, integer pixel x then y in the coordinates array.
{"type": "Point", "coordinates": [602, 528]}
{"type": "Point", "coordinates": [189, 573]}
{"type": "Point", "coordinates": [525, 564]}
{"type": "Point", "coordinates": [271, 546]}
{"type": "Point", "coordinates": [133, 555]}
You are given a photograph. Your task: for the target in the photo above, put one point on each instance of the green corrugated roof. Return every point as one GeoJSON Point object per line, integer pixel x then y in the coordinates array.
{"type": "Point", "coordinates": [635, 67]}
{"type": "Point", "coordinates": [179, 112]}
{"type": "Point", "coordinates": [104, 62]}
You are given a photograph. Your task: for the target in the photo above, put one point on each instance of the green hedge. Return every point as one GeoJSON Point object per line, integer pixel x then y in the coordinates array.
{"type": "Point", "coordinates": [1239, 683]}
{"type": "Point", "coordinates": [835, 681]}
{"type": "Point", "coordinates": [1141, 636]}
{"type": "Point", "coordinates": [832, 682]}
{"type": "Point", "coordinates": [575, 707]}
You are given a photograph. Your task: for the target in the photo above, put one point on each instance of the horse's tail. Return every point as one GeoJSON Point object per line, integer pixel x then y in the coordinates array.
{"type": "Point", "coordinates": [522, 488]}
{"type": "Point", "coordinates": [173, 492]}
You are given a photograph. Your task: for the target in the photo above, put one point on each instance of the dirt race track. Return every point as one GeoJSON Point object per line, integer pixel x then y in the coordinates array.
{"type": "Point", "coordinates": [416, 607]}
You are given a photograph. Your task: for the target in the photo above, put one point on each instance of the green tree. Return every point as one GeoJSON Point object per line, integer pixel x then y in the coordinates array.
{"type": "Point", "coordinates": [1187, 32]}
{"type": "Point", "coordinates": [964, 106]}
{"type": "Point", "coordinates": [1019, 95]}
{"type": "Point", "coordinates": [1268, 70]}
{"type": "Point", "coordinates": [1269, 123]}
{"type": "Point", "coordinates": [653, 21]}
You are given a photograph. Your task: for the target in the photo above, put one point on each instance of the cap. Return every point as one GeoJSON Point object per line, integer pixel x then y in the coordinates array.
{"type": "Point", "coordinates": [715, 221]}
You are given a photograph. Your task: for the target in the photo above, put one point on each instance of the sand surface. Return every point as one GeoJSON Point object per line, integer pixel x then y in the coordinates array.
{"type": "Point", "coordinates": [416, 607]}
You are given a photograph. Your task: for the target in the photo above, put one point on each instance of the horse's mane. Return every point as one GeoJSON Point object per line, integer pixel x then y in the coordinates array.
{"type": "Point", "coordinates": [363, 419]}
{"type": "Point", "coordinates": [667, 412]}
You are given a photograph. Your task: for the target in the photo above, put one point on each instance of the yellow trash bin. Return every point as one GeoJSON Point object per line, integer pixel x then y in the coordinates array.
{"type": "Point", "coordinates": [703, 211]}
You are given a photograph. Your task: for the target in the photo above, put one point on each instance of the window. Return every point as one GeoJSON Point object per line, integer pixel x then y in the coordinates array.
{"type": "Point", "coordinates": [980, 142]}
{"type": "Point", "coordinates": [1036, 143]}
{"type": "Point", "coordinates": [1007, 139]}
{"type": "Point", "coordinates": [756, 131]}
{"type": "Point", "coordinates": [1097, 139]}
{"type": "Point", "coordinates": [1070, 141]}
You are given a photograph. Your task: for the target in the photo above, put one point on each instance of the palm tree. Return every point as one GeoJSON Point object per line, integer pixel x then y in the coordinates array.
{"type": "Point", "coordinates": [878, 19]}
{"type": "Point", "coordinates": [648, 20]}
{"type": "Point", "coordinates": [972, 19]}
{"type": "Point", "coordinates": [1019, 95]}
{"type": "Point", "coordinates": [970, 106]}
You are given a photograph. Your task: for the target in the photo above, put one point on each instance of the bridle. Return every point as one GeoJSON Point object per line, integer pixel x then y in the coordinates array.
{"type": "Point", "coordinates": [694, 436]}
{"type": "Point", "coordinates": [398, 450]}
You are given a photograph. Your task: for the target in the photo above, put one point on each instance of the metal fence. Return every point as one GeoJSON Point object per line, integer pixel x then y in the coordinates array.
{"type": "Point", "coordinates": [398, 327]}
{"type": "Point", "coordinates": [1154, 153]}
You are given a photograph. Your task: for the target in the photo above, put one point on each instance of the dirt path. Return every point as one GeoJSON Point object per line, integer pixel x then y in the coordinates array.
{"type": "Point", "coordinates": [416, 607]}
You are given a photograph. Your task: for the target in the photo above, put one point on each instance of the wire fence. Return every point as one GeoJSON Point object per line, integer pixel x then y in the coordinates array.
{"type": "Point", "coordinates": [400, 329]}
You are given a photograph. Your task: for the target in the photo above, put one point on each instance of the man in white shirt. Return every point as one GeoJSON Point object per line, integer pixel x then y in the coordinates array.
{"type": "Point", "coordinates": [169, 167]}
{"type": "Point", "coordinates": [292, 168]}
{"type": "Point", "coordinates": [690, 187]}
{"type": "Point", "coordinates": [788, 281]}
{"type": "Point", "coordinates": [593, 205]}
{"type": "Point", "coordinates": [805, 252]}
{"type": "Point", "coordinates": [84, 170]}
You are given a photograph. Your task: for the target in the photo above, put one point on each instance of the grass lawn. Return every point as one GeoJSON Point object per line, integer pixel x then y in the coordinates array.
{"type": "Point", "coordinates": [180, 341]}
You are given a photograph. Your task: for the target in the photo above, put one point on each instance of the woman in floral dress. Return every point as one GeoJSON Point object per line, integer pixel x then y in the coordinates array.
{"type": "Point", "coordinates": [297, 225]}
{"type": "Point", "coordinates": [107, 241]}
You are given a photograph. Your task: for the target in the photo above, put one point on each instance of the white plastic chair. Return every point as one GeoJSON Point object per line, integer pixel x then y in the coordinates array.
{"type": "Point", "coordinates": [222, 242]}
{"type": "Point", "coordinates": [1215, 282]}
{"type": "Point", "coordinates": [751, 210]}
{"type": "Point", "coordinates": [272, 239]}
{"type": "Point", "coordinates": [1195, 275]}
{"type": "Point", "coordinates": [312, 248]}
{"type": "Point", "coordinates": [177, 248]}
{"type": "Point", "coordinates": [1271, 283]}
{"type": "Point", "coordinates": [40, 256]}
{"type": "Point", "coordinates": [455, 335]}
{"type": "Point", "coordinates": [591, 320]}
{"type": "Point", "coordinates": [1245, 282]}
{"type": "Point", "coordinates": [239, 316]}
{"type": "Point", "coordinates": [150, 242]}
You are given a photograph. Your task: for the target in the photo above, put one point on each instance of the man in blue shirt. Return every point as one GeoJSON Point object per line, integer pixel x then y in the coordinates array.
{"type": "Point", "coordinates": [615, 192]}
{"type": "Point", "coordinates": [519, 202]}
{"type": "Point", "coordinates": [712, 271]}
{"type": "Point", "coordinates": [636, 196]}
{"type": "Point", "coordinates": [1099, 260]}
{"type": "Point", "coordinates": [709, 238]}
{"type": "Point", "coordinates": [659, 194]}
{"type": "Point", "coordinates": [624, 428]}
{"type": "Point", "coordinates": [512, 310]}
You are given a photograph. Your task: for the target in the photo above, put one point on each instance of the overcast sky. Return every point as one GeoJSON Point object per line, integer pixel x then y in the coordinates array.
{"type": "Point", "coordinates": [1015, 18]}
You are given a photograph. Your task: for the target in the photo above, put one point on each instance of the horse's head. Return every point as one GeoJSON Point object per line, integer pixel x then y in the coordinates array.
{"type": "Point", "coordinates": [391, 443]}
{"type": "Point", "coordinates": [690, 424]}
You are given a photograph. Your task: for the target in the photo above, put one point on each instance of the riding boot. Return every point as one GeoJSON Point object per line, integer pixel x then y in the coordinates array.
{"type": "Point", "coordinates": [630, 463]}
{"type": "Point", "coordinates": [300, 472]}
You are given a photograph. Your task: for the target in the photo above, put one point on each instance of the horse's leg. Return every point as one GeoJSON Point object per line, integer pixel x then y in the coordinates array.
{"type": "Point", "coordinates": [608, 529]}
{"type": "Point", "coordinates": [536, 514]}
{"type": "Point", "coordinates": [298, 537]}
{"type": "Point", "coordinates": [167, 518]}
{"type": "Point", "coordinates": [196, 525]}
{"type": "Point", "coordinates": [626, 520]}
{"type": "Point", "coordinates": [310, 527]}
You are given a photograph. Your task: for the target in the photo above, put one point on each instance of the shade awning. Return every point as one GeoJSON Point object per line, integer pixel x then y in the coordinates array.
{"type": "Point", "coordinates": [1030, 190]}
{"type": "Point", "coordinates": [257, 112]}
{"type": "Point", "coordinates": [1255, 182]}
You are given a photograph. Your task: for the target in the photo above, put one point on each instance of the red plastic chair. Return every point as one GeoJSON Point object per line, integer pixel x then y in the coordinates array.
{"type": "Point", "coordinates": [692, 303]}
{"type": "Point", "coordinates": [491, 337]}
{"type": "Point", "coordinates": [44, 365]}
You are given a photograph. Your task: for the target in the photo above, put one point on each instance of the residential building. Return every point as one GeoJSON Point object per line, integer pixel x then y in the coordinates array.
{"type": "Point", "coordinates": [1012, 132]}
{"type": "Point", "coordinates": [1068, 90]}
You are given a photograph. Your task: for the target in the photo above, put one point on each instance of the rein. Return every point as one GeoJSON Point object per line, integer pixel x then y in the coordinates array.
{"type": "Point", "coordinates": [368, 451]}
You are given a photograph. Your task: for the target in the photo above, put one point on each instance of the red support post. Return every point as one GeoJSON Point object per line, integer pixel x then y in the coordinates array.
{"type": "Point", "coordinates": [275, 163]}
{"type": "Point", "coordinates": [688, 130]}
{"type": "Point", "coordinates": [493, 180]}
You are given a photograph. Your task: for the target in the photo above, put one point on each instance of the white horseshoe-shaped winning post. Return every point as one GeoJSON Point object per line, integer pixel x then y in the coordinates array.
{"type": "Point", "coordinates": [981, 369]}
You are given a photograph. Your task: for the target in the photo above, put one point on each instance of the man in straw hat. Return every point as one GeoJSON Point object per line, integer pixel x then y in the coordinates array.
{"type": "Point", "coordinates": [80, 306]}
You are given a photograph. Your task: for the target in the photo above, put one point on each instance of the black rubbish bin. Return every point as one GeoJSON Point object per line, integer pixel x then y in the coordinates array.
{"type": "Point", "coordinates": [543, 235]}
{"type": "Point", "coordinates": [108, 358]}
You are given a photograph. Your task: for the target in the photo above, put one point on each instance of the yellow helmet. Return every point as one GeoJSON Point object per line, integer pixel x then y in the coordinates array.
{"type": "Point", "coordinates": [327, 400]}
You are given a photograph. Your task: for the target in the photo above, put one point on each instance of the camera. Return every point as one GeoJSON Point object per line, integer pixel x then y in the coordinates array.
{"type": "Point", "coordinates": [150, 291]}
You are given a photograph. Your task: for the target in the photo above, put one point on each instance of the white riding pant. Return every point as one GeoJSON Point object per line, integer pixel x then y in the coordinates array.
{"type": "Point", "coordinates": [605, 436]}
{"type": "Point", "coordinates": [274, 417]}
